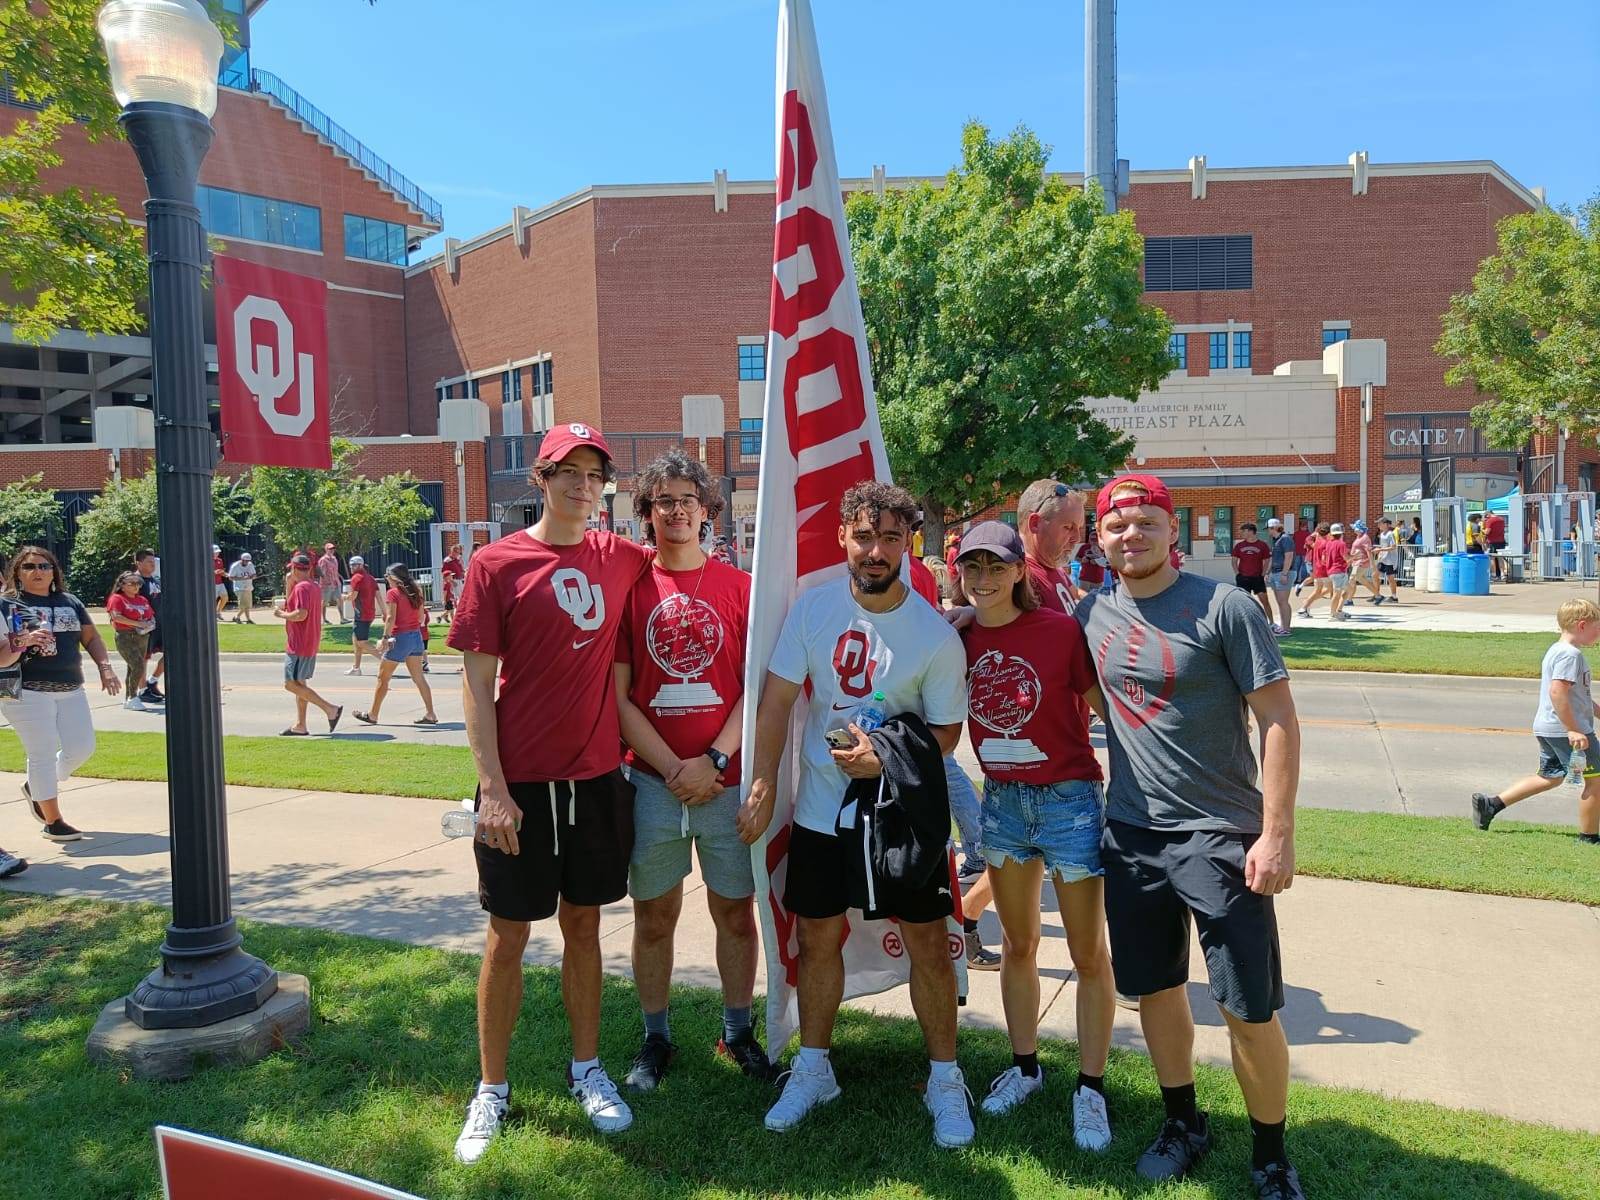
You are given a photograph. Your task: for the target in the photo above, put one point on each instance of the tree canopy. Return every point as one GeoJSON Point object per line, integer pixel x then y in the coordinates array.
{"type": "Point", "coordinates": [996, 305]}
{"type": "Point", "coordinates": [304, 507]}
{"type": "Point", "coordinates": [1527, 333]}
{"type": "Point", "coordinates": [28, 509]}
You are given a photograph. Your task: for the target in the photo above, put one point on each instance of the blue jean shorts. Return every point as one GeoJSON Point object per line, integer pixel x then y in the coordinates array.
{"type": "Point", "coordinates": [664, 829]}
{"type": "Point", "coordinates": [404, 645]}
{"type": "Point", "coordinates": [1058, 822]}
{"type": "Point", "coordinates": [964, 809]}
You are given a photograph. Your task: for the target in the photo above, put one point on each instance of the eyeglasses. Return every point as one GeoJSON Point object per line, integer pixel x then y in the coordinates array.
{"type": "Point", "coordinates": [34, 566]}
{"type": "Point", "coordinates": [667, 504]}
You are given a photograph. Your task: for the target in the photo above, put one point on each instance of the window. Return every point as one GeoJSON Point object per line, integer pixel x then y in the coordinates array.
{"type": "Point", "coordinates": [1308, 514]}
{"type": "Point", "coordinates": [1199, 264]}
{"type": "Point", "coordinates": [1330, 336]}
{"type": "Point", "coordinates": [469, 389]}
{"type": "Point", "coordinates": [1264, 514]}
{"type": "Point", "coordinates": [750, 436]}
{"type": "Point", "coordinates": [235, 70]}
{"type": "Point", "coordinates": [1241, 349]}
{"type": "Point", "coordinates": [1222, 531]}
{"type": "Point", "coordinates": [511, 384]}
{"type": "Point", "coordinates": [1184, 543]}
{"type": "Point", "coordinates": [549, 377]}
{"type": "Point", "coordinates": [260, 218]}
{"type": "Point", "coordinates": [752, 363]}
{"type": "Point", "coordinates": [1178, 348]}
{"type": "Point", "coordinates": [1219, 351]}
{"type": "Point", "coordinates": [511, 428]}
{"type": "Point", "coordinates": [374, 240]}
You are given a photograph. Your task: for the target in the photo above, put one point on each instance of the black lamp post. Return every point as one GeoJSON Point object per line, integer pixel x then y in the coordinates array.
{"type": "Point", "coordinates": [164, 56]}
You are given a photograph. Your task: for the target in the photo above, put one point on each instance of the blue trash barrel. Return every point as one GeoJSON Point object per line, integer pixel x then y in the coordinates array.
{"type": "Point", "coordinates": [1475, 575]}
{"type": "Point", "coordinates": [1450, 574]}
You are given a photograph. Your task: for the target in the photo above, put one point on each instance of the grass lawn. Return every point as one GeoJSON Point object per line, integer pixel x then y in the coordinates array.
{"type": "Point", "coordinates": [1422, 652]}
{"type": "Point", "coordinates": [268, 639]}
{"type": "Point", "coordinates": [380, 1085]}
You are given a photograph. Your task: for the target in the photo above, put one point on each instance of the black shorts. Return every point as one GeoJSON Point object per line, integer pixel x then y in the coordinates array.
{"type": "Point", "coordinates": [1388, 571]}
{"type": "Point", "coordinates": [1252, 583]}
{"type": "Point", "coordinates": [1154, 880]}
{"type": "Point", "coordinates": [819, 883]}
{"type": "Point", "coordinates": [361, 631]}
{"type": "Point", "coordinates": [594, 833]}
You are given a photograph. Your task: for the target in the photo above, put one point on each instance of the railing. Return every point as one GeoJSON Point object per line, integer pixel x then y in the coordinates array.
{"type": "Point", "coordinates": [337, 136]}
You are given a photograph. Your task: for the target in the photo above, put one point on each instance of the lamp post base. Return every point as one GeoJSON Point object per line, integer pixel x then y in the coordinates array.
{"type": "Point", "coordinates": [168, 1054]}
{"type": "Point", "coordinates": [191, 994]}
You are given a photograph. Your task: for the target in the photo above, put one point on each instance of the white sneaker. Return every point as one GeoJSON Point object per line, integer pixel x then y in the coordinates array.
{"type": "Point", "coordinates": [951, 1105]}
{"type": "Point", "coordinates": [601, 1102]}
{"type": "Point", "coordinates": [484, 1116]}
{"type": "Point", "coordinates": [804, 1091]}
{"type": "Point", "coordinates": [1091, 1125]}
{"type": "Point", "coordinates": [134, 704]}
{"type": "Point", "coordinates": [1010, 1089]}
{"type": "Point", "coordinates": [353, 671]}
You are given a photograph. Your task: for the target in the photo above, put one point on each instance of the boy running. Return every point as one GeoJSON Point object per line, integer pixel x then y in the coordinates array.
{"type": "Point", "coordinates": [1562, 724]}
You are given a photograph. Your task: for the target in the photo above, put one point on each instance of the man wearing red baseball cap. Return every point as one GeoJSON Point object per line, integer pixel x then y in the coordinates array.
{"type": "Point", "coordinates": [541, 609]}
{"type": "Point", "coordinates": [1191, 834]}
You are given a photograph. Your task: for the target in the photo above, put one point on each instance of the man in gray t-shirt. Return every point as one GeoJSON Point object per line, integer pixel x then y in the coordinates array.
{"type": "Point", "coordinates": [1193, 833]}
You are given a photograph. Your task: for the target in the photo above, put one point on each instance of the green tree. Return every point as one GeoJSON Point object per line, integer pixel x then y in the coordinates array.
{"type": "Point", "coordinates": [304, 507]}
{"type": "Point", "coordinates": [1527, 333]}
{"type": "Point", "coordinates": [996, 305]}
{"type": "Point", "coordinates": [28, 510]}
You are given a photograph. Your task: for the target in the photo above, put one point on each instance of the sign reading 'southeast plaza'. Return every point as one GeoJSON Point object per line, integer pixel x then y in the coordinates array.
{"type": "Point", "coordinates": [1216, 415]}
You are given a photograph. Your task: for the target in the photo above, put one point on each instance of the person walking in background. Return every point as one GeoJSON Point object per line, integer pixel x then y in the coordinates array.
{"type": "Point", "coordinates": [301, 612]}
{"type": "Point", "coordinates": [363, 597]}
{"type": "Point", "coordinates": [1335, 554]}
{"type": "Point", "coordinates": [1416, 531]}
{"type": "Point", "coordinates": [1494, 537]}
{"type": "Point", "coordinates": [243, 574]}
{"type": "Point", "coordinates": [1250, 558]}
{"type": "Point", "coordinates": [1563, 724]}
{"type": "Point", "coordinates": [1319, 569]}
{"type": "Point", "coordinates": [144, 562]}
{"type": "Point", "coordinates": [132, 620]}
{"type": "Point", "coordinates": [51, 711]}
{"type": "Point", "coordinates": [1362, 572]}
{"type": "Point", "coordinates": [405, 611]}
{"type": "Point", "coordinates": [219, 579]}
{"type": "Point", "coordinates": [1388, 560]}
{"type": "Point", "coordinates": [14, 643]}
{"type": "Point", "coordinates": [1282, 570]}
{"type": "Point", "coordinates": [328, 581]}
{"type": "Point", "coordinates": [451, 573]}
{"type": "Point", "coordinates": [1302, 536]}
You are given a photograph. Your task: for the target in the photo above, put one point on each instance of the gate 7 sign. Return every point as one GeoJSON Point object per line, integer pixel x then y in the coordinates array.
{"type": "Point", "coordinates": [272, 365]}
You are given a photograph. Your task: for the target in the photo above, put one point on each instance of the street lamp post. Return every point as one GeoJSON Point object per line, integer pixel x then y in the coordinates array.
{"type": "Point", "coordinates": [164, 56]}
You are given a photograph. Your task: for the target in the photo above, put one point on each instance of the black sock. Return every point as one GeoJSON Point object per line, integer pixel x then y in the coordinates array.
{"type": "Point", "coordinates": [1095, 1083]}
{"type": "Point", "coordinates": [1496, 806]}
{"type": "Point", "coordinates": [1180, 1104]}
{"type": "Point", "coordinates": [969, 925]}
{"type": "Point", "coordinates": [1028, 1064]}
{"type": "Point", "coordinates": [1267, 1147]}
{"type": "Point", "coordinates": [1592, 838]}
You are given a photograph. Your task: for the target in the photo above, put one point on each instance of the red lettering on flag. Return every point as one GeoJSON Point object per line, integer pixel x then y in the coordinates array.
{"type": "Point", "coordinates": [847, 413]}
{"type": "Point", "coordinates": [812, 229]}
{"type": "Point", "coordinates": [796, 121]}
{"type": "Point", "coordinates": [816, 499]}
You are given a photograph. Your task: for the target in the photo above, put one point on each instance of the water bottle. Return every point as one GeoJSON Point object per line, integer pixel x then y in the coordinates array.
{"type": "Point", "coordinates": [1576, 765]}
{"type": "Point", "coordinates": [870, 714]}
{"type": "Point", "coordinates": [459, 822]}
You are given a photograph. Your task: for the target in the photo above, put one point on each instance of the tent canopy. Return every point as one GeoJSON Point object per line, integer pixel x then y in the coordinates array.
{"type": "Point", "coordinates": [1501, 504]}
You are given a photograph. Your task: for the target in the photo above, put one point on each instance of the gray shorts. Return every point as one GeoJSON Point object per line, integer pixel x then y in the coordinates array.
{"type": "Point", "coordinates": [664, 827]}
{"type": "Point", "coordinates": [298, 668]}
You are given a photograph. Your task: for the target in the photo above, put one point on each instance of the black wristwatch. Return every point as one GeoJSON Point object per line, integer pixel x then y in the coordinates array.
{"type": "Point", "coordinates": [719, 760]}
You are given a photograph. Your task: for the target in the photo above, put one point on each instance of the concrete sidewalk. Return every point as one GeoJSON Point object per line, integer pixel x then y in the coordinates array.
{"type": "Point", "coordinates": [1476, 1002]}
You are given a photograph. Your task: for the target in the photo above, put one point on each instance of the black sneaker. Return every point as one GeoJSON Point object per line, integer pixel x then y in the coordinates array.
{"type": "Point", "coordinates": [1277, 1181]}
{"type": "Point", "coordinates": [746, 1053]}
{"type": "Point", "coordinates": [979, 956]}
{"type": "Point", "coordinates": [59, 831]}
{"type": "Point", "coordinates": [152, 693]}
{"type": "Point", "coordinates": [1176, 1150]}
{"type": "Point", "coordinates": [11, 864]}
{"type": "Point", "coordinates": [971, 870]}
{"type": "Point", "coordinates": [33, 805]}
{"type": "Point", "coordinates": [650, 1064]}
{"type": "Point", "coordinates": [1482, 811]}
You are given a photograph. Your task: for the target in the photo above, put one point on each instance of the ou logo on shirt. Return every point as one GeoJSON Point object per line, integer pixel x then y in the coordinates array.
{"type": "Point", "coordinates": [581, 600]}
{"type": "Point", "coordinates": [853, 664]}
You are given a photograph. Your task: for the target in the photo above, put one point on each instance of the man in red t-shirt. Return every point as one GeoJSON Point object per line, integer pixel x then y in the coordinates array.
{"type": "Point", "coordinates": [1050, 522]}
{"type": "Point", "coordinates": [451, 573]}
{"type": "Point", "coordinates": [680, 701]}
{"type": "Point", "coordinates": [1250, 555]}
{"type": "Point", "coordinates": [541, 609]}
{"type": "Point", "coordinates": [1494, 537]}
{"type": "Point", "coordinates": [362, 594]}
{"type": "Point", "coordinates": [301, 611]}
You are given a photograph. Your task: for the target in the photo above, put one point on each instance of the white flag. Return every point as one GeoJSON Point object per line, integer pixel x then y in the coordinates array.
{"type": "Point", "coordinates": [819, 435]}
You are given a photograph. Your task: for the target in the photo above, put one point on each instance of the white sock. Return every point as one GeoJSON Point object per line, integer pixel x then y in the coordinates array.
{"type": "Point", "coordinates": [580, 1069]}
{"type": "Point", "coordinates": [503, 1090]}
{"type": "Point", "coordinates": [942, 1072]}
{"type": "Point", "coordinates": [810, 1058]}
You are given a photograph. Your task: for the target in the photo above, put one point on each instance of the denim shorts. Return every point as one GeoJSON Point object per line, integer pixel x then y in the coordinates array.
{"type": "Point", "coordinates": [964, 809]}
{"type": "Point", "coordinates": [1058, 822]}
{"type": "Point", "coordinates": [404, 645]}
{"type": "Point", "coordinates": [1555, 754]}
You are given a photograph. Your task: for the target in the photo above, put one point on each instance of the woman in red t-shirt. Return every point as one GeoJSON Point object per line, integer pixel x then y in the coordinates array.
{"type": "Point", "coordinates": [404, 614]}
{"type": "Point", "coordinates": [1028, 670]}
{"type": "Point", "coordinates": [132, 619]}
{"type": "Point", "coordinates": [1316, 555]}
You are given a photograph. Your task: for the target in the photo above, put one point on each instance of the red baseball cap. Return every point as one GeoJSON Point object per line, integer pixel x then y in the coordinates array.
{"type": "Point", "coordinates": [564, 439]}
{"type": "Point", "coordinates": [1152, 489]}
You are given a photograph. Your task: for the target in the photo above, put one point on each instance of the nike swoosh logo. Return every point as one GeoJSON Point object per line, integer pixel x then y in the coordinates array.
{"type": "Point", "coordinates": [582, 644]}
{"type": "Point", "coordinates": [843, 707]}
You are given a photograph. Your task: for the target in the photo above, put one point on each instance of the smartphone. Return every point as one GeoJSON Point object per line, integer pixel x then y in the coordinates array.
{"type": "Point", "coordinates": [839, 739]}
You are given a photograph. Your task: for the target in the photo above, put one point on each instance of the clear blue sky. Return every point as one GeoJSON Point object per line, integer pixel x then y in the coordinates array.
{"type": "Point", "coordinates": [490, 103]}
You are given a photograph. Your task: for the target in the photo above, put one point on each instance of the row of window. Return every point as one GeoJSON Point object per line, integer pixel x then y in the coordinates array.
{"type": "Point", "coordinates": [544, 384]}
{"type": "Point", "coordinates": [260, 218]}
{"type": "Point", "coordinates": [1178, 348]}
{"type": "Point", "coordinates": [370, 238]}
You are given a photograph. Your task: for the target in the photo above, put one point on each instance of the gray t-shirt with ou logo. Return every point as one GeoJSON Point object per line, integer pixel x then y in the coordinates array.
{"type": "Point", "coordinates": [1566, 662]}
{"type": "Point", "coordinates": [1175, 669]}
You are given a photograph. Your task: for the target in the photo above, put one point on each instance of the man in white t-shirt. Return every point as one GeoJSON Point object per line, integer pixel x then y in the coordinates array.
{"type": "Point", "coordinates": [854, 640]}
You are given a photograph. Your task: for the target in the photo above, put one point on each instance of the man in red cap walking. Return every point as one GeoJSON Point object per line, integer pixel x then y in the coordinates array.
{"type": "Point", "coordinates": [541, 609]}
{"type": "Point", "coordinates": [1191, 834]}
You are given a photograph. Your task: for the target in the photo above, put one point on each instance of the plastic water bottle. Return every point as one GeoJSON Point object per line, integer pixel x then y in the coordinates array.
{"type": "Point", "coordinates": [870, 714]}
{"type": "Point", "coordinates": [459, 822]}
{"type": "Point", "coordinates": [1576, 765]}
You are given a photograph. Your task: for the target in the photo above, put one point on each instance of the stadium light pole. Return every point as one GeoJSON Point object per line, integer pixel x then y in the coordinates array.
{"type": "Point", "coordinates": [164, 56]}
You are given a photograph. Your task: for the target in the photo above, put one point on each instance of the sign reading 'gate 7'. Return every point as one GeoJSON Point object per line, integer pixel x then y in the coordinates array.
{"type": "Point", "coordinates": [272, 365]}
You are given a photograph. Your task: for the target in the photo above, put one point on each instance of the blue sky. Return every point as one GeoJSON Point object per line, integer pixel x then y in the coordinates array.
{"type": "Point", "coordinates": [490, 103]}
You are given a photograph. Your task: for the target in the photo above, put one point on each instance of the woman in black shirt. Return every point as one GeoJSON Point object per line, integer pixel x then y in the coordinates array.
{"type": "Point", "coordinates": [51, 712]}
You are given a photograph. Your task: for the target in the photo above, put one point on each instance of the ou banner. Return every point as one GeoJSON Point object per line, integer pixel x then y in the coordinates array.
{"type": "Point", "coordinates": [272, 365]}
{"type": "Point", "coordinates": [820, 435]}
{"type": "Point", "coordinates": [197, 1167]}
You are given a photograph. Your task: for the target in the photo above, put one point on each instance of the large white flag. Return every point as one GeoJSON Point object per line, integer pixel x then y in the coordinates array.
{"type": "Point", "coordinates": [819, 435]}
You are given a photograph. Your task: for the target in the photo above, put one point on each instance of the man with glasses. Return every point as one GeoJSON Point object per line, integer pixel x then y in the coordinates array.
{"type": "Point", "coordinates": [680, 701]}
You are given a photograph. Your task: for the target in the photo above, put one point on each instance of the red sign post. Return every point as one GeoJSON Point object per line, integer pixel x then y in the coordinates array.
{"type": "Point", "coordinates": [272, 365]}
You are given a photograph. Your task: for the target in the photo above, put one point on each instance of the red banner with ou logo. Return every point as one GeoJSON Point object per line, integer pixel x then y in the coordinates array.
{"type": "Point", "coordinates": [272, 365]}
